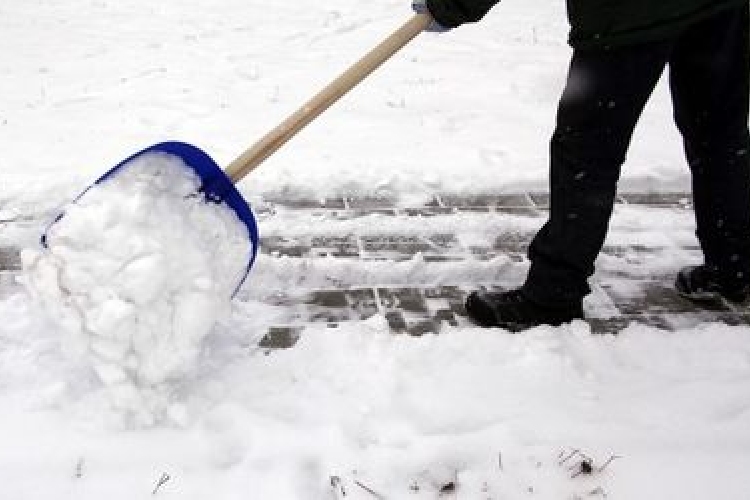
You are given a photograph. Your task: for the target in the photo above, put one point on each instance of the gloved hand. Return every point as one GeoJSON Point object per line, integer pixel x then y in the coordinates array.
{"type": "Point", "coordinates": [420, 7]}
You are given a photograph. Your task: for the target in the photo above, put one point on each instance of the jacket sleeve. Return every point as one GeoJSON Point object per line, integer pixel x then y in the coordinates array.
{"type": "Point", "coordinates": [452, 13]}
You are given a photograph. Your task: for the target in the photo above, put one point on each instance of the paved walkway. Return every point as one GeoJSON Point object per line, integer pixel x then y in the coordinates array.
{"type": "Point", "coordinates": [628, 296]}
{"type": "Point", "coordinates": [620, 297]}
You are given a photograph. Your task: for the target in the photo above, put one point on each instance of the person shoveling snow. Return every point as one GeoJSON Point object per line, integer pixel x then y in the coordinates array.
{"type": "Point", "coordinates": [620, 50]}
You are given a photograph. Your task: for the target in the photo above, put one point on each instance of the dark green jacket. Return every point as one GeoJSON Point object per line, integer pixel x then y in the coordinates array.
{"type": "Point", "coordinates": [601, 23]}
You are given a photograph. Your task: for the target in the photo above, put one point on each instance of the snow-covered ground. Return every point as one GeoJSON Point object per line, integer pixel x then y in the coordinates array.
{"type": "Point", "coordinates": [86, 83]}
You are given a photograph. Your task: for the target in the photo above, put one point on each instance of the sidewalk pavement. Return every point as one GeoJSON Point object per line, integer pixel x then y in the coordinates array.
{"type": "Point", "coordinates": [620, 297]}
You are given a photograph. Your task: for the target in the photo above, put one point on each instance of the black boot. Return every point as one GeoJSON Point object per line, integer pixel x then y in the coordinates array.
{"type": "Point", "coordinates": [702, 284]}
{"type": "Point", "coordinates": [513, 311]}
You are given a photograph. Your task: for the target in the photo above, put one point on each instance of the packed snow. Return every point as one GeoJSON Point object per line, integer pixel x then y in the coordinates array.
{"type": "Point", "coordinates": [355, 412]}
{"type": "Point", "coordinates": [136, 272]}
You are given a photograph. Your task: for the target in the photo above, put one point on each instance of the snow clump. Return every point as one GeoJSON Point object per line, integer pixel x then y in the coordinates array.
{"type": "Point", "coordinates": [137, 272]}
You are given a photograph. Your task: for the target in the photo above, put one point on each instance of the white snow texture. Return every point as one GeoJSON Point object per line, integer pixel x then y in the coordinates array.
{"type": "Point", "coordinates": [140, 412]}
{"type": "Point", "coordinates": [137, 271]}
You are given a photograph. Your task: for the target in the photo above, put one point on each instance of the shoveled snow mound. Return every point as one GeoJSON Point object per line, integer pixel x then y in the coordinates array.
{"type": "Point", "coordinates": [137, 272]}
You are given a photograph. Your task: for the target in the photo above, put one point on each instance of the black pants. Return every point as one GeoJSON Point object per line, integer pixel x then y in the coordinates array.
{"type": "Point", "coordinates": [606, 91]}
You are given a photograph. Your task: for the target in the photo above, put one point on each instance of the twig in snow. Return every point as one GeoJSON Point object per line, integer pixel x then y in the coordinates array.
{"type": "Point", "coordinates": [369, 490]}
{"type": "Point", "coordinates": [585, 466]}
{"type": "Point", "coordinates": [609, 461]}
{"type": "Point", "coordinates": [79, 468]}
{"type": "Point", "coordinates": [164, 479]}
{"type": "Point", "coordinates": [450, 487]}
{"type": "Point", "coordinates": [338, 487]}
{"type": "Point", "coordinates": [568, 457]}
{"type": "Point", "coordinates": [598, 491]}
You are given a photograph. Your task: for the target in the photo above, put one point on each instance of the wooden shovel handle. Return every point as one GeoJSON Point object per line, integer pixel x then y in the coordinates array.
{"type": "Point", "coordinates": [287, 129]}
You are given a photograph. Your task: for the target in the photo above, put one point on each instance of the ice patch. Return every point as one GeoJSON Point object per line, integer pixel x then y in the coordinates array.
{"type": "Point", "coordinates": [137, 272]}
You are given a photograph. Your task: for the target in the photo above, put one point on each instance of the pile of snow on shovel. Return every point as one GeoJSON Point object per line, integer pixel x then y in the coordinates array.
{"type": "Point", "coordinates": [137, 272]}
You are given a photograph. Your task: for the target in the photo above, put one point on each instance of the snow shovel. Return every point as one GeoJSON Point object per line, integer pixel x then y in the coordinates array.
{"type": "Point", "coordinates": [218, 185]}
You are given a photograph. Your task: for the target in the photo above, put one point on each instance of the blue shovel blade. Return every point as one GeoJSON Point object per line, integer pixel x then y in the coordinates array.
{"type": "Point", "coordinates": [215, 185]}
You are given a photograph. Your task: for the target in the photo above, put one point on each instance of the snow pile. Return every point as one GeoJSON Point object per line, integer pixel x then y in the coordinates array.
{"type": "Point", "coordinates": [138, 271]}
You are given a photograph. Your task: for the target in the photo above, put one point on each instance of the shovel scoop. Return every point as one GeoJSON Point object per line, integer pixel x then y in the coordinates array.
{"type": "Point", "coordinates": [212, 184]}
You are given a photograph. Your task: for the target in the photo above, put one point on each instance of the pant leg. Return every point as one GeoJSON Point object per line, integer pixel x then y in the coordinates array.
{"type": "Point", "coordinates": [602, 101]}
{"type": "Point", "coordinates": [709, 75]}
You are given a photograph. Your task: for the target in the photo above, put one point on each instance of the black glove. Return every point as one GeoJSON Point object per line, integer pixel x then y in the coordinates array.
{"type": "Point", "coordinates": [420, 7]}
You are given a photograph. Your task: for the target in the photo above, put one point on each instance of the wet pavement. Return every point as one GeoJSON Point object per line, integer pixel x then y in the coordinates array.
{"type": "Point", "coordinates": [620, 297]}
{"type": "Point", "coordinates": [628, 296]}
